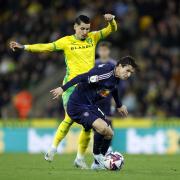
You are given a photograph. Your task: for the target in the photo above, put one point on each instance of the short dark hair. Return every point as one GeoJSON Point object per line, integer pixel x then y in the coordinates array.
{"type": "Point", "coordinates": [82, 18]}
{"type": "Point", "coordinates": [105, 43]}
{"type": "Point", "coordinates": [128, 60]}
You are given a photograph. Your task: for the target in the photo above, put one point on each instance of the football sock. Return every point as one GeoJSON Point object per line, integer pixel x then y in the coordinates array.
{"type": "Point", "coordinates": [83, 142]}
{"type": "Point", "coordinates": [62, 130]}
{"type": "Point", "coordinates": [98, 139]}
{"type": "Point", "coordinates": [105, 146]}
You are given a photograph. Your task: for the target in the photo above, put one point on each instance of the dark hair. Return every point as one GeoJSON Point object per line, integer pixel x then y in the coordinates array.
{"type": "Point", "coordinates": [82, 18]}
{"type": "Point", "coordinates": [128, 60]}
{"type": "Point", "coordinates": [104, 43]}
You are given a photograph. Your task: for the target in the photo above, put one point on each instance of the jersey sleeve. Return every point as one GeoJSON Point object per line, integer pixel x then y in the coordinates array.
{"type": "Point", "coordinates": [95, 75]}
{"type": "Point", "coordinates": [59, 44]}
{"type": "Point", "coordinates": [117, 100]}
{"type": "Point", "coordinates": [103, 33]}
{"type": "Point", "coordinates": [47, 47]}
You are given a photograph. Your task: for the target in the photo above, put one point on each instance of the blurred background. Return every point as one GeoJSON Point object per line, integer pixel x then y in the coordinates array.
{"type": "Point", "coordinates": [149, 30]}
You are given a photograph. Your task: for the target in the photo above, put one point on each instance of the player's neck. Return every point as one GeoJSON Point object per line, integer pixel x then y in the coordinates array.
{"type": "Point", "coordinates": [76, 37]}
{"type": "Point", "coordinates": [104, 59]}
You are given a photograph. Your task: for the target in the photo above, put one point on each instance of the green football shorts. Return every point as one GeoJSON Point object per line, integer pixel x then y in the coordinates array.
{"type": "Point", "coordinates": [66, 96]}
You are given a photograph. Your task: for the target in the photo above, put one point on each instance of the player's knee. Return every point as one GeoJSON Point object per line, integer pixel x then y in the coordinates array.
{"type": "Point", "coordinates": [109, 134]}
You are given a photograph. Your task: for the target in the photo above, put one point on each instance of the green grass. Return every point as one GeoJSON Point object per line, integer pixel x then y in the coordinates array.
{"type": "Point", "coordinates": [137, 167]}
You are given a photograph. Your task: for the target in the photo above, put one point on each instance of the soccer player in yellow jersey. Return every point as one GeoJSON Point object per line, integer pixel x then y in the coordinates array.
{"type": "Point", "coordinates": [79, 52]}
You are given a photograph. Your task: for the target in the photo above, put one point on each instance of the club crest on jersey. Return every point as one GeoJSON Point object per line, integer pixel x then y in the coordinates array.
{"type": "Point", "coordinates": [93, 79]}
{"type": "Point", "coordinates": [86, 114]}
{"type": "Point", "coordinates": [89, 40]}
{"type": "Point", "coordinates": [104, 92]}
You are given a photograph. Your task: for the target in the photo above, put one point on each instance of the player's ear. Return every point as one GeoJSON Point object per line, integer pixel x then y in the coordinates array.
{"type": "Point", "coordinates": [119, 65]}
{"type": "Point", "coordinates": [75, 26]}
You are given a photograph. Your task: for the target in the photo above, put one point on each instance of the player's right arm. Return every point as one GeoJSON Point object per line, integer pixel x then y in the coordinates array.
{"type": "Point", "coordinates": [46, 47]}
{"type": "Point", "coordinates": [93, 76]}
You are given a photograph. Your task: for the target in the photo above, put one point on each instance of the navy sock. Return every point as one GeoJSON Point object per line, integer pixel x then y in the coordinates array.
{"type": "Point", "coordinates": [98, 140]}
{"type": "Point", "coordinates": [105, 145]}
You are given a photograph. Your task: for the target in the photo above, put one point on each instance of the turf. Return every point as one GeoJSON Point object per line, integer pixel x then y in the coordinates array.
{"type": "Point", "coordinates": [140, 167]}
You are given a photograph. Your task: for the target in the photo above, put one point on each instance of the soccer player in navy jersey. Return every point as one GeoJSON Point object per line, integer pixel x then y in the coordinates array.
{"type": "Point", "coordinates": [106, 105]}
{"type": "Point", "coordinates": [93, 86]}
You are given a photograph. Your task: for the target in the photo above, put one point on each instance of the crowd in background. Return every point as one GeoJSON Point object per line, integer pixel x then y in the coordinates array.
{"type": "Point", "coordinates": [147, 29]}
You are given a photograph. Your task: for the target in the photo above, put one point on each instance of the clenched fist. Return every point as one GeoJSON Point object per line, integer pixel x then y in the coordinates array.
{"type": "Point", "coordinates": [15, 45]}
{"type": "Point", "coordinates": [109, 17]}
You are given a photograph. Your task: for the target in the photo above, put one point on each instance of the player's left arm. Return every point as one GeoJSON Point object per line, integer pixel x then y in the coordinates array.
{"type": "Point", "coordinates": [122, 109]}
{"type": "Point", "coordinates": [117, 100]}
{"type": "Point", "coordinates": [111, 27]}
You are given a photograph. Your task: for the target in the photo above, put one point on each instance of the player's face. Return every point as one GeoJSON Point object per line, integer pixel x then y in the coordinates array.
{"type": "Point", "coordinates": [103, 52]}
{"type": "Point", "coordinates": [124, 72]}
{"type": "Point", "coordinates": [82, 30]}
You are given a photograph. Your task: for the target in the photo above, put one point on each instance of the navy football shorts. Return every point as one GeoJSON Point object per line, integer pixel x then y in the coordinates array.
{"type": "Point", "coordinates": [84, 114]}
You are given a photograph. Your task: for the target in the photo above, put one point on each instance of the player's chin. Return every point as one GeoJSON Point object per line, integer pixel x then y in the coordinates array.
{"type": "Point", "coordinates": [83, 37]}
{"type": "Point", "coordinates": [124, 78]}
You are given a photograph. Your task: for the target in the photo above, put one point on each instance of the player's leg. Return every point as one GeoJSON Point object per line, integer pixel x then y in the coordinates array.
{"type": "Point", "coordinates": [103, 135]}
{"type": "Point", "coordinates": [84, 137]}
{"type": "Point", "coordinates": [110, 146]}
{"type": "Point", "coordinates": [106, 139]}
{"type": "Point", "coordinates": [102, 139]}
{"type": "Point", "coordinates": [95, 118]}
{"type": "Point", "coordinates": [83, 142]}
{"type": "Point", "coordinates": [62, 129]}
{"type": "Point", "coordinates": [59, 136]}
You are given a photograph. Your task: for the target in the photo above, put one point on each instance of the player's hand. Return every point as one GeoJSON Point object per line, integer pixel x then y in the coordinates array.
{"type": "Point", "coordinates": [14, 45]}
{"type": "Point", "coordinates": [109, 17]}
{"type": "Point", "coordinates": [56, 92]}
{"type": "Point", "coordinates": [123, 110]}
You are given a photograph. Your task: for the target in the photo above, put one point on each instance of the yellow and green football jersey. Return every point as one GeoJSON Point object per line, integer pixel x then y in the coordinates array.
{"type": "Point", "coordinates": [79, 54]}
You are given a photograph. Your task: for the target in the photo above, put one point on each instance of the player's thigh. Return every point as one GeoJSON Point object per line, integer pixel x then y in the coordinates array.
{"type": "Point", "coordinates": [102, 127]}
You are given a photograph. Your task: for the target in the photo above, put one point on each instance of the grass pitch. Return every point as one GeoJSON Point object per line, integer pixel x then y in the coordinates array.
{"type": "Point", "coordinates": [137, 167]}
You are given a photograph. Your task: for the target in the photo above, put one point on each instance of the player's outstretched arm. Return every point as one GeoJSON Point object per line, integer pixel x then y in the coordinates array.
{"type": "Point", "coordinates": [47, 47]}
{"type": "Point", "coordinates": [95, 75]}
{"type": "Point", "coordinates": [112, 25]}
{"type": "Point", "coordinates": [59, 91]}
